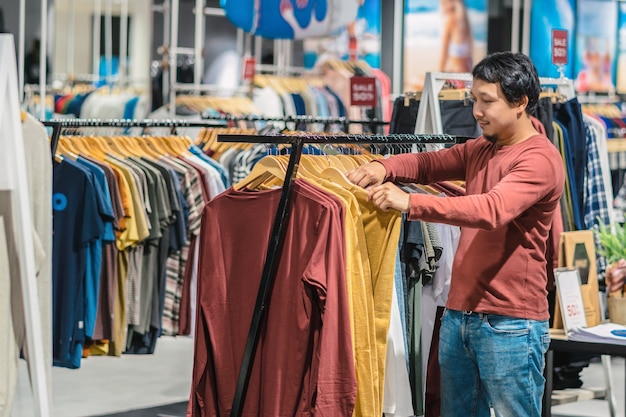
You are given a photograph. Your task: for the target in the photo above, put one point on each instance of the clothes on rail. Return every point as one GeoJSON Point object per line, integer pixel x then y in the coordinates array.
{"type": "Point", "coordinates": [12, 319]}
{"type": "Point", "coordinates": [380, 331]}
{"type": "Point", "coordinates": [126, 214]}
{"type": "Point", "coordinates": [456, 116]}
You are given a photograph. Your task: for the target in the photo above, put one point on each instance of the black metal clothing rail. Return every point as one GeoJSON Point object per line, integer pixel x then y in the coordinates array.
{"type": "Point", "coordinates": [278, 229]}
{"type": "Point", "coordinates": [58, 125]}
{"type": "Point", "coordinates": [345, 122]}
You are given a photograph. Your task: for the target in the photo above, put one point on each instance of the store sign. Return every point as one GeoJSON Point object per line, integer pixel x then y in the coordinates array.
{"type": "Point", "coordinates": [248, 68]}
{"type": "Point", "coordinates": [363, 91]}
{"type": "Point", "coordinates": [570, 298]}
{"type": "Point", "coordinates": [559, 47]}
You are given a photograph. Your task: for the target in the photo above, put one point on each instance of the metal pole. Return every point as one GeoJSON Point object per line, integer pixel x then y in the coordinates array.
{"type": "Point", "coordinates": [526, 27]}
{"type": "Point", "coordinates": [173, 55]}
{"type": "Point", "coordinates": [398, 40]}
{"type": "Point", "coordinates": [97, 16]}
{"type": "Point", "coordinates": [198, 44]}
{"type": "Point", "coordinates": [20, 49]}
{"type": "Point", "coordinates": [515, 26]}
{"type": "Point", "coordinates": [167, 22]}
{"type": "Point", "coordinates": [43, 54]}
{"type": "Point", "coordinates": [108, 40]}
{"type": "Point", "coordinates": [123, 42]}
{"type": "Point", "coordinates": [70, 38]}
{"type": "Point", "coordinates": [258, 50]}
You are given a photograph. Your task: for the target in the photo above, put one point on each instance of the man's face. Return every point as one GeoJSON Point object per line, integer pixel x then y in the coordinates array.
{"type": "Point", "coordinates": [495, 115]}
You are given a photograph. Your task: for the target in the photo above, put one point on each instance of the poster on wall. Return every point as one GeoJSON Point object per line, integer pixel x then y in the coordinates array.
{"type": "Point", "coordinates": [360, 39]}
{"type": "Point", "coordinates": [546, 16]}
{"type": "Point", "coordinates": [442, 35]}
{"type": "Point", "coordinates": [596, 39]}
{"type": "Point", "coordinates": [621, 50]}
{"type": "Point", "coordinates": [290, 19]}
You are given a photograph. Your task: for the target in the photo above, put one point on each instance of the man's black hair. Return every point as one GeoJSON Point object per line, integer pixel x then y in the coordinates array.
{"type": "Point", "coordinates": [516, 74]}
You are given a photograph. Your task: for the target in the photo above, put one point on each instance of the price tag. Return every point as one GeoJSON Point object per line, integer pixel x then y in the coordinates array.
{"type": "Point", "coordinates": [363, 91]}
{"type": "Point", "coordinates": [570, 298]}
{"type": "Point", "coordinates": [559, 47]}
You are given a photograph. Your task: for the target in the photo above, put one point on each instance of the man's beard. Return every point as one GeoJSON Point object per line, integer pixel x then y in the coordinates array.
{"type": "Point", "coordinates": [491, 138]}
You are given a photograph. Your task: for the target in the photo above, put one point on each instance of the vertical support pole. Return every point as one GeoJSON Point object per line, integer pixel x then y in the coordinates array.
{"type": "Point", "coordinates": [108, 40]}
{"type": "Point", "coordinates": [526, 27]}
{"type": "Point", "coordinates": [123, 69]}
{"type": "Point", "coordinates": [20, 48]}
{"type": "Point", "coordinates": [173, 56]}
{"type": "Point", "coordinates": [43, 58]}
{"type": "Point", "coordinates": [398, 41]}
{"type": "Point", "coordinates": [71, 23]}
{"type": "Point", "coordinates": [198, 65]}
{"type": "Point", "coordinates": [515, 24]}
{"type": "Point", "coordinates": [267, 279]}
{"type": "Point", "coordinates": [97, 16]}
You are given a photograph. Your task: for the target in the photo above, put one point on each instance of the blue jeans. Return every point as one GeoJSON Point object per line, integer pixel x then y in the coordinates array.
{"type": "Point", "coordinates": [487, 359]}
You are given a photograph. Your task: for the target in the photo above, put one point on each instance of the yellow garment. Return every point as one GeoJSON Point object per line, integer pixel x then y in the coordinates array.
{"type": "Point", "coordinates": [140, 213]}
{"type": "Point", "coordinates": [117, 345]}
{"type": "Point", "coordinates": [382, 234]}
{"type": "Point", "coordinates": [360, 297]}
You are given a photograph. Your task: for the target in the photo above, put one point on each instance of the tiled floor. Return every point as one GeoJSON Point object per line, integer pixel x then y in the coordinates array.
{"type": "Point", "coordinates": [109, 385]}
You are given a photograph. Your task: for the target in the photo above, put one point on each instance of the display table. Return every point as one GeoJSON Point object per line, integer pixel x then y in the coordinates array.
{"type": "Point", "coordinates": [559, 342]}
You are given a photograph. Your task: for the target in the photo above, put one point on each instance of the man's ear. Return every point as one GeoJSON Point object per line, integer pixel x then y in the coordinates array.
{"type": "Point", "coordinates": [522, 103]}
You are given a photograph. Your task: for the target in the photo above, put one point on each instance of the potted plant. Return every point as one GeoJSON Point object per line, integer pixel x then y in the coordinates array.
{"type": "Point", "coordinates": [612, 239]}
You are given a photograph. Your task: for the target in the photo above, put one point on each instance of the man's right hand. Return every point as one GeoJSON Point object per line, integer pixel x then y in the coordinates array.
{"type": "Point", "coordinates": [368, 175]}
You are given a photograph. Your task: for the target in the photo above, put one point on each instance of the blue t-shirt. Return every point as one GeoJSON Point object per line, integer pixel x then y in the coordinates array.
{"type": "Point", "coordinates": [92, 277]}
{"type": "Point", "coordinates": [76, 223]}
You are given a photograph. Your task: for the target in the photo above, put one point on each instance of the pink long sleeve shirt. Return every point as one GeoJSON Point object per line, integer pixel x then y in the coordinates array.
{"type": "Point", "coordinates": [505, 217]}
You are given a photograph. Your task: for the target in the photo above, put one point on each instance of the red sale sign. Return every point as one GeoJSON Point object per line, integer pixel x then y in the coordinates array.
{"type": "Point", "coordinates": [248, 68]}
{"type": "Point", "coordinates": [363, 91]}
{"type": "Point", "coordinates": [559, 47]}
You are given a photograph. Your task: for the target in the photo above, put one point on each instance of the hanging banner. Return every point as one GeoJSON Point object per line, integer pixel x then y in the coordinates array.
{"type": "Point", "coordinates": [546, 16]}
{"type": "Point", "coordinates": [596, 38]}
{"type": "Point", "coordinates": [290, 19]}
{"type": "Point", "coordinates": [442, 35]}
{"type": "Point", "coordinates": [559, 47]}
{"type": "Point", "coordinates": [359, 40]}
{"type": "Point", "coordinates": [621, 50]}
{"type": "Point", "coordinates": [363, 91]}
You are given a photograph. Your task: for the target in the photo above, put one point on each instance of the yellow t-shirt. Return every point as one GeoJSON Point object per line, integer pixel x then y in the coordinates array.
{"type": "Point", "coordinates": [382, 234]}
{"type": "Point", "coordinates": [360, 296]}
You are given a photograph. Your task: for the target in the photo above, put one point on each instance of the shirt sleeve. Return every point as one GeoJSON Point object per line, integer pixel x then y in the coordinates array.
{"type": "Point", "coordinates": [531, 179]}
{"type": "Point", "coordinates": [427, 167]}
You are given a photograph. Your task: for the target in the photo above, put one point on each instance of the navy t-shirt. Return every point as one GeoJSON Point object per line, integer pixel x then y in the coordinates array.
{"type": "Point", "coordinates": [76, 222]}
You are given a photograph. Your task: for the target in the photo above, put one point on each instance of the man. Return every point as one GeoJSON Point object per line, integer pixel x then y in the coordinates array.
{"type": "Point", "coordinates": [494, 332]}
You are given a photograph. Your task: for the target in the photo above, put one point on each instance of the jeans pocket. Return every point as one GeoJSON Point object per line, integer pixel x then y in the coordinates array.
{"type": "Point", "coordinates": [545, 341]}
{"type": "Point", "coordinates": [508, 325]}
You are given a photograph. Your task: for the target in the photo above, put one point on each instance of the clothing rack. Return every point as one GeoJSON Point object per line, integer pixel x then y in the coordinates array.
{"type": "Point", "coordinates": [278, 229]}
{"type": "Point", "coordinates": [326, 121]}
{"type": "Point", "coordinates": [58, 125]}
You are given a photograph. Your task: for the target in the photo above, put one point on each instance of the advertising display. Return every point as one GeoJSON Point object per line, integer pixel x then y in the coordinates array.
{"type": "Point", "coordinates": [596, 44]}
{"type": "Point", "coordinates": [358, 40]}
{"type": "Point", "coordinates": [442, 35]}
{"type": "Point", "coordinates": [545, 17]}
{"type": "Point", "coordinates": [291, 19]}
{"type": "Point", "coordinates": [621, 49]}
